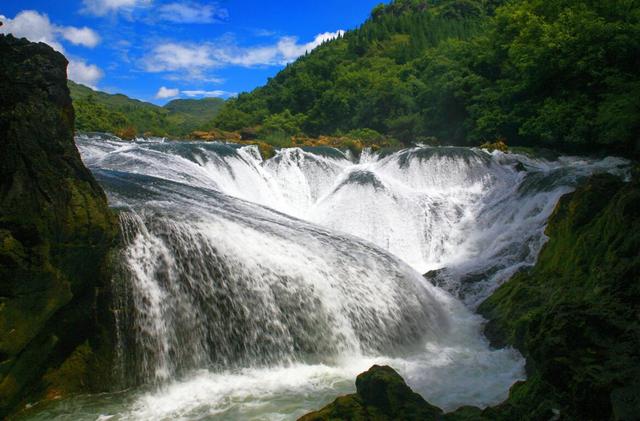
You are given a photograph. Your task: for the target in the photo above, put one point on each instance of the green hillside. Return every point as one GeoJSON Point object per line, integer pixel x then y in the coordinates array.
{"type": "Point", "coordinates": [193, 114]}
{"type": "Point", "coordinates": [99, 111]}
{"type": "Point", "coordinates": [559, 73]}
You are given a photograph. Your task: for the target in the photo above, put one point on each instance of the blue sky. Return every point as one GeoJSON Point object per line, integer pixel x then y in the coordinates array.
{"type": "Point", "coordinates": [157, 50]}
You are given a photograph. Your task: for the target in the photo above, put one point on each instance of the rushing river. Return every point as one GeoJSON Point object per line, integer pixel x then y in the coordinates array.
{"type": "Point", "coordinates": [259, 289]}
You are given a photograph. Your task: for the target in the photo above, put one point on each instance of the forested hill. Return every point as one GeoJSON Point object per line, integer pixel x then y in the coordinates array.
{"type": "Point", "coordinates": [561, 73]}
{"type": "Point", "coordinates": [119, 114]}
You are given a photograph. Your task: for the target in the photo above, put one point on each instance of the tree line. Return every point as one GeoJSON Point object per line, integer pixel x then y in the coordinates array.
{"type": "Point", "coordinates": [553, 73]}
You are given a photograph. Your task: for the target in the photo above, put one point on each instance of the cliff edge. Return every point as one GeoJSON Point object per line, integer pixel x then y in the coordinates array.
{"type": "Point", "coordinates": [56, 230]}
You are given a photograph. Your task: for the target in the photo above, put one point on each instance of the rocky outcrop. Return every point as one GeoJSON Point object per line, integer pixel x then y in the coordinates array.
{"type": "Point", "coordinates": [381, 395]}
{"type": "Point", "coordinates": [55, 228]}
{"type": "Point", "coordinates": [575, 316]}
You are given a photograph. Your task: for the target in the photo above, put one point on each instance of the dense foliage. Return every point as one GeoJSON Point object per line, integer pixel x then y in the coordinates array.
{"type": "Point", "coordinates": [560, 73]}
{"type": "Point", "coordinates": [99, 111]}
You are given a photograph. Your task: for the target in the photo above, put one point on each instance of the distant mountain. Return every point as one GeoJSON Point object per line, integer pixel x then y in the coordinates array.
{"type": "Point", "coordinates": [199, 112]}
{"type": "Point", "coordinates": [127, 117]}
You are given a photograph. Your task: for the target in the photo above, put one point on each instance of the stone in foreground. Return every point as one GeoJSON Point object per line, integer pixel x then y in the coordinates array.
{"type": "Point", "coordinates": [381, 395]}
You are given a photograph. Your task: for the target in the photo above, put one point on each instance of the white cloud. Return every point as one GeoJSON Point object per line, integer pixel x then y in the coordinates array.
{"type": "Point", "coordinates": [192, 60]}
{"type": "Point", "coordinates": [284, 51]}
{"type": "Point", "coordinates": [201, 78]}
{"type": "Point", "coordinates": [37, 27]}
{"type": "Point", "coordinates": [202, 93]}
{"type": "Point", "coordinates": [33, 26]}
{"type": "Point", "coordinates": [105, 7]}
{"type": "Point", "coordinates": [173, 57]}
{"type": "Point", "coordinates": [290, 49]}
{"type": "Point", "coordinates": [165, 92]}
{"type": "Point", "coordinates": [81, 36]}
{"type": "Point", "coordinates": [81, 72]}
{"type": "Point", "coordinates": [261, 32]}
{"type": "Point", "coordinates": [191, 12]}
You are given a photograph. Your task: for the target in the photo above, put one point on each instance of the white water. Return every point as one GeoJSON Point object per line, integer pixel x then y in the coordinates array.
{"type": "Point", "coordinates": [259, 290]}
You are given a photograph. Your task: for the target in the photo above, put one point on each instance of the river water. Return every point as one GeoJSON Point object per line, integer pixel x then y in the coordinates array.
{"type": "Point", "coordinates": [257, 289]}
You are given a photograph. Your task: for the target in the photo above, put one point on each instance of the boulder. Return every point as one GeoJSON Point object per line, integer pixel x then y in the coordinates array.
{"type": "Point", "coordinates": [381, 395]}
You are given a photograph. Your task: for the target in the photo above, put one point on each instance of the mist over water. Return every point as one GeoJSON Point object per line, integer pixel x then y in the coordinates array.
{"type": "Point", "coordinates": [259, 289]}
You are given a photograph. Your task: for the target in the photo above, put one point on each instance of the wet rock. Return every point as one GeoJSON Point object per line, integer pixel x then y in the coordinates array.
{"type": "Point", "coordinates": [55, 227]}
{"type": "Point", "coordinates": [381, 395]}
{"type": "Point", "coordinates": [575, 314]}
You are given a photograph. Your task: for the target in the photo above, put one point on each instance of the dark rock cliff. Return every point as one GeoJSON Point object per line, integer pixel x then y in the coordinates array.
{"type": "Point", "coordinates": [55, 230]}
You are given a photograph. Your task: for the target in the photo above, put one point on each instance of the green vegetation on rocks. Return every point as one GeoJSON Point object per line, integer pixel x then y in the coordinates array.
{"type": "Point", "coordinates": [382, 395]}
{"type": "Point", "coordinates": [56, 229]}
{"type": "Point", "coordinates": [575, 316]}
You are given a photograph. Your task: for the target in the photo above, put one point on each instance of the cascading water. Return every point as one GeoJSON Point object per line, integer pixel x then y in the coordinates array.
{"type": "Point", "coordinates": [259, 289]}
{"type": "Point", "coordinates": [223, 283]}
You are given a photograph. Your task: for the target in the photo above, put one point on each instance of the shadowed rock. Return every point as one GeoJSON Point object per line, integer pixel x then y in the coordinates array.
{"type": "Point", "coordinates": [381, 395]}
{"type": "Point", "coordinates": [55, 227]}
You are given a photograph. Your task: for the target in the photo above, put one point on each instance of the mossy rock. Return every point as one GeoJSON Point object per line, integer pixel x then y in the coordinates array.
{"type": "Point", "coordinates": [575, 316]}
{"type": "Point", "coordinates": [56, 229]}
{"type": "Point", "coordinates": [381, 395]}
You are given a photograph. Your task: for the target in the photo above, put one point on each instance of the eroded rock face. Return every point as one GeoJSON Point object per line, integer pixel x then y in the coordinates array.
{"type": "Point", "coordinates": [55, 227]}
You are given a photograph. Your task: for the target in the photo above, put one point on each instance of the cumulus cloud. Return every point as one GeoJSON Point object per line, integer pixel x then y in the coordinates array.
{"type": "Point", "coordinates": [105, 7]}
{"type": "Point", "coordinates": [165, 92]}
{"type": "Point", "coordinates": [81, 72]}
{"type": "Point", "coordinates": [289, 48]}
{"type": "Point", "coordinates": [80, 36]}
{"type": "Point", "coordinates": [202, 93]}
{"type": "Point", "coordinates": [286, 50]}
{"type": "Point", "coordinates": [38, 28]}
{"type": "Point", "coordinates": [194, 59]}
{"type": "Point", "coordinates": [174, 56]}
{"type": "Point", "coordinates": [191, 12]}
{"type": "Point", "coordinates": [33, 26]}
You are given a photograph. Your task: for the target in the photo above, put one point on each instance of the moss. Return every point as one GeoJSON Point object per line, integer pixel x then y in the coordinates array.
{"type": "Point", "coordinates": [127, 133]}
{"type": "Point", "coordinates": [55, 226]}
{"type": "Point", "coordinates": [266, 151]}
{"type": "Point", "coordinates": [574, 316]}
{"type": "Point", "coordinates": [381, 395]}
{"type": "Point", "coordinates": [71, 376]}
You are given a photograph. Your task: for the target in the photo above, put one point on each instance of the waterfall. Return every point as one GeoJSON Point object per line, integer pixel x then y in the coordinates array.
{"type": "Point", "coordinates": [255, 289]}
{"type": "Point", "coordinates": [223, 283]}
